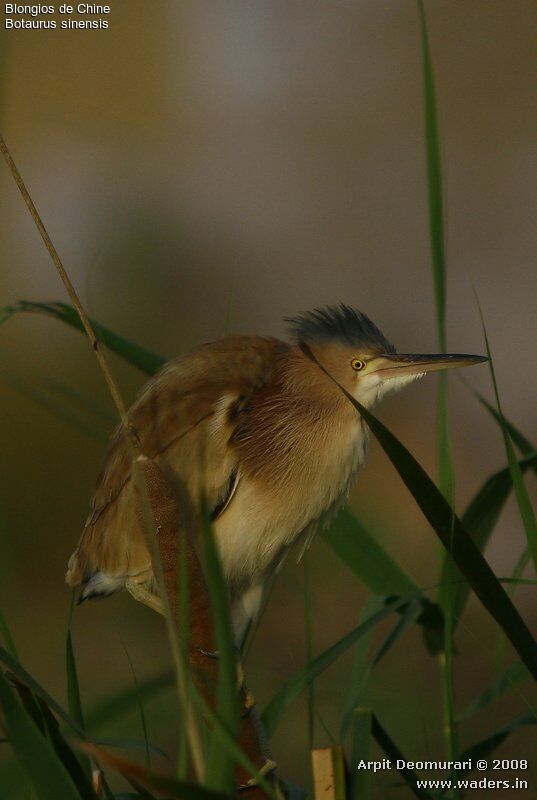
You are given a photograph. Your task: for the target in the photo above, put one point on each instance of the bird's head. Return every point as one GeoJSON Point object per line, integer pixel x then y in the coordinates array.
{"type": "Point", "coordinates": [359, 357]}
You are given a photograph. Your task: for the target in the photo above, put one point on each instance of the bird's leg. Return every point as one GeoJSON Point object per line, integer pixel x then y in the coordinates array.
{"type": "Point", "coordinates": [268, 767]}
{"type": "Point", "coordinates": [141, 593]}
{"type": "Point", "coordinates": [244, 611]}
{"type": "Point", "coordinates": [249, 699]}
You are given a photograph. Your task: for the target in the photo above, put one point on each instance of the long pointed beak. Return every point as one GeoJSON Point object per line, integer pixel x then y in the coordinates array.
{"type": "Point", "coordinates": [394, 364]}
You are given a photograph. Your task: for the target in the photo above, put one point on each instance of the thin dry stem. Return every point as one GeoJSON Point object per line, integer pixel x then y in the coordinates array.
{"type": "Point", "coordinates": [101, 358]}
{"type": "Point", "coordinates": [175, 535]}
{"type": "Point", "coordinates": [159, 512]}
{"type": "Point", "coordinates": [328, 767]}
{"type": "Point", "coordinates": [133, 443]}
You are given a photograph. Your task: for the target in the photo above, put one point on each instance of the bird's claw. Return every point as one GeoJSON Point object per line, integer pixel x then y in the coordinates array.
{"type": "Point", "coordinates": [268, 767]}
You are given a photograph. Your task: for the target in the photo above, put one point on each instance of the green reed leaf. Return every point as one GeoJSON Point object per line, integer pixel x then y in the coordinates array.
{"type": "Point", "coordinates": [24, 676]}
{"type": "Point", "coordinates": [487, 746]}
{"type": "Point", "coordinates": [301, 679]}
{"type": "Point", "coordinates": [517, 437]}
{"type": "Point", "coordinates": [220, 763]}
{"type": "Point", "coordinates": [515, 674]}
{"type": "Point", "coordinates": [74, 700]}
{"type": "Point", "coordinates": [387, 744]}
{"type": "Point", "coordinates": [123, 702]}
{"type": "Point", "coordinates": [363, 554]}
{"type": "Point", "coordinates": [525, 507]}
{"type": "Point", "coordinates": [360, 779]}
{"type": "Point", "coordinates": [481, 516]}
{"type": "Point", "coordinates": [139, 356]}
{"type": "Point", "coordinates": [5, 633]}
{"type": "Point", "coordinates": [34, 752]}
{"type": "Point", "coordinates": [451, 533]}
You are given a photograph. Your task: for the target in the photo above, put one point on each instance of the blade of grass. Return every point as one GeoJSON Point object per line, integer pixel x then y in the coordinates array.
{"type": "Point", "coordinates": [31, 704]}
{"type": "Point", "coordinates": [362, 553]}
{"type": "Point", "coordinates": [487, 746]}
{"type": "Point", "coordinates": [144, 359]}
{"type": "Point", "coordinates": [445, 461]}
{"type": "Point", "coordinates": [184, 628]}
{"type": "Point", "coordinates": [384, 741]}
{"type": "Point", "coordinates": [220, 765]}
{"type": "Point", "coordinates": [291, 791]}
{"type": "Point", "coordinates": [181, 790]}
{"type": "Point", "coordinates": [308, 625]}
{"type": "Point", "coordinates": [481, 516]}
{"type": "Point", "coordinates": [525, 507]}
{"type": "Point", "coordinates": [518, 438]}
{"type": "Point", "coordinates": [157, 503]}
{"type": "Point", "coordinates": [5, 633]}
{"type": "Point", "coordinates": [141, 709]}
{"type": "Point", "coordinates": [229, 743]}
{"type": "Point", "coordinates": [35, 754]}
{"type": "Point", "coordinates": [24, 676]}
{"type": "Point", "coordinates": [409, 615]}
{"type": "Point", "coordinates": [301, 679]}
{"type": "Point", "coordinates": [78, 399]}
{"type": "Point", "coordinates": [434, 181]}
{"type": "Point", "coordinates": [123, 703]}
{"type": "Point", "coordinates": [516, 579]}
{"type": "Point", "coordinates": [74, 701]}
{"type": "Point", "coordinates": [75, 767]}
{"type": "Point", "coordinates": [451, 533]}
{"type": "Point", "coordinates": [527, 449]}
{"type": "Point", "coordinates": [361, 669]}
{"type": "Point", "coordinates": [54, 407]}
{"type": "Point", "coordinates": [133, 445]}
{"type": "Point", "coordinates": [510, 678]}
{"type": "Point", "coordinates": [361, 747]}
{"type": "Point", "coordinates": [133, 744]}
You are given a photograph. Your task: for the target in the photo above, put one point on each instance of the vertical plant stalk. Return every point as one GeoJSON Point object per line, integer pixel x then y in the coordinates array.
{"type": "Point", "coordinates": [101, 358]}
{"type": "Point", "coordinates": [527, 514]}
{"type": "Point", "coordinates": [445, 462]}
{"type": "Point", "coordinates": [132, 441]}
{"type": "Point", "coordinates": [159, 512]}
{"type": "Point", "coordinates": [174, 537]}
{"type": "Point", "coordinates": [361, 747]}
{"type": "Point", "coordinates": [328, 766]}
{"type": "Point", "coordinates": [308, 619]}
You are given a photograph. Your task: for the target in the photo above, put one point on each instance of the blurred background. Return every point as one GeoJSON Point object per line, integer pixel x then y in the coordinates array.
{"type": "Point", "coordinates": [211, 166]}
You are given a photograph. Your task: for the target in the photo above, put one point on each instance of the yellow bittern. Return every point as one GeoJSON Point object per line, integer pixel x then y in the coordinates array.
{"type": "Point", "coordinates": [264, 433]}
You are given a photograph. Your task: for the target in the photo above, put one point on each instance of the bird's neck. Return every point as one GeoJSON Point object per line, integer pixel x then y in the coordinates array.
{"type": "Point", "coordinates": [308, 389]}
{"type": "Point", "coordinates": [299, 425]}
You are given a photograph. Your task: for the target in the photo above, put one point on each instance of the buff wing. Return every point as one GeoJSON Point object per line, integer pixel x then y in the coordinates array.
{"type": "Point", "coordinates": [184, 418]}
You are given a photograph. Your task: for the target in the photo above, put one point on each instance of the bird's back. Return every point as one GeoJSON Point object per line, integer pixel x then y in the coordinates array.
{"type": "Point", "coordinates": [184, 419]}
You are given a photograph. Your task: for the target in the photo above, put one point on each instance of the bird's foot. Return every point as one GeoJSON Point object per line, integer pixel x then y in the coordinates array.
{"type": "Point", "coordinates": [141, 593]}
{"type": "Point", "coordinates": [268, 767]}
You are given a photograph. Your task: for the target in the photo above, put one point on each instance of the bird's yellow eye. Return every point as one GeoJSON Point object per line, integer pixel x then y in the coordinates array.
{"type": "Point", "coordinates": [357, 364]}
